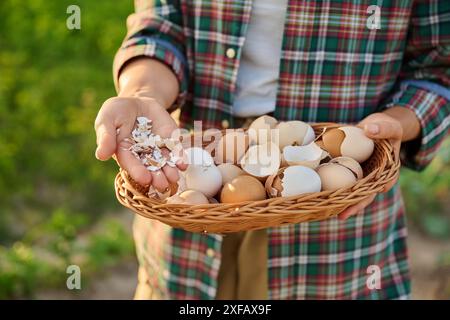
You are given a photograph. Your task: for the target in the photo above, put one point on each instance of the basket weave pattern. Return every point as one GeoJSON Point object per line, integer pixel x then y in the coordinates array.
{"type": "Point", "coordinates": [380, 169]}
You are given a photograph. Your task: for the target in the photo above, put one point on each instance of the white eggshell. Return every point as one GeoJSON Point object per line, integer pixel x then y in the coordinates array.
{"type": "Point", "coordinates": [206, 179]}
{"type": "Point", "coordinates": [284, 136]}
{"type": "Point", "coordinates": [299, 180]}
{"type": "Point", "coordinates": [335, 176]}
{"type": "Point", "coordinates": [260, 130]}
{"type": "Point", "coordinates": [310, 135]}
{"type": "Point", "coordinates": [261, 160]}
{"type": "Point", "coordinates": [293, 133]}
{"type": "Point", "coordinates": [229, 172]}
{"type": "Point", "coordinates": [356, 144]}
{"type": "Point", "coordinates": [198, 156]}
{"type": "Point", "coordinates": [308, 155]}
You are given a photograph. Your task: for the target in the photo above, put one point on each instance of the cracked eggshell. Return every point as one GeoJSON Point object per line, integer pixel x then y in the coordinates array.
{"type": "Point", "coordinates": [191, 197]}
{"type": "Point", "coordinates": [198, 156]}
{"type": "Point", "coordinates": [335, 176]}
{"type": "Point", "coordinates": [231, 147]}
{"type": "Point", "coordinates": [293, 181]}
{"type": "Point", "coordinates": [262, 160]}
{"type": "Point", "coordinates": [348, 142]}
{"type": "Point", "coordinates": [206, 179]}
{"type": "Point", "coordinates": [293, 133]}
{"type": "Point", "coordinates": [260, 130]}
{"type": "Point", "coordinates": [309, 155]}
{"type": "Point", "coordinates": [351, 164]}
{"type": "Point", "coordinates": [242, 188]}
{"type": "Point", "coordinates": [229, 172]}
{"type": "Point", "coordinates": [356, 144]}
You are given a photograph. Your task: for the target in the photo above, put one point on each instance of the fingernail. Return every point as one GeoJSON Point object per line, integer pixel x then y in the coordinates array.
{"type": "Point", "coordinates": [373, 128]}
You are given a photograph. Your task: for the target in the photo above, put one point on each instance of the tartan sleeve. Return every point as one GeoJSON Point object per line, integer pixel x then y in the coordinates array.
{"type": "Point", "coordinates": [155, 31]}
{"type": "Point", "coordinates": [424, 82]}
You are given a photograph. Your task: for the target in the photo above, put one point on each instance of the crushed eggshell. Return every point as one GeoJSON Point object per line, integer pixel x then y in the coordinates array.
{"type": "Point", "coordinates": [147, 146]}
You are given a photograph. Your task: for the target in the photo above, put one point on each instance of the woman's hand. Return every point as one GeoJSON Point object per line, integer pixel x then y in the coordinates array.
{"type": "Point", "coordinates": [114, 124]}
{"type": "Point", "coordinates": [378, 126]}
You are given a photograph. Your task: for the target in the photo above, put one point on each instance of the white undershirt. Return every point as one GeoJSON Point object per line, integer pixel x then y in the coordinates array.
{"type": "Point", "coordinates": [257, 79]}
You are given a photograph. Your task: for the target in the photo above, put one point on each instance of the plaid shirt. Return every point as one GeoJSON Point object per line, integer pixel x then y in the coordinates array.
{"type": "Point", "coordinates": [333, 68]}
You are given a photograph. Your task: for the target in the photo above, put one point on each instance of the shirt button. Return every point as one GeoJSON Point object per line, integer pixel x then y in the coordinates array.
{"type": "Point", "coordinates": [231, 53]}
{"type": "Point", "coordinates": [225, 124]}
{"type": "Point", "coordinates": [210, 253]}
{"type": "Point", "coordinates": [165, 274]}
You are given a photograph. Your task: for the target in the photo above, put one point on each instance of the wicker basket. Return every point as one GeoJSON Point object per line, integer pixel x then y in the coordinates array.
{"type": "Point", "coordinates": [380, 169]}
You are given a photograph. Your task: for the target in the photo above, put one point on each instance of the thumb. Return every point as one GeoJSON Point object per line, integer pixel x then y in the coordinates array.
{"type": "Point", "coordinates": [382, 130]}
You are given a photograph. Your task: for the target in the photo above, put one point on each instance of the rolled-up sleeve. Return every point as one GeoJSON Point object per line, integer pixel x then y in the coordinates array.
{"type": "Point", "coordinates": [155, 31]}
{"type": "Point", "coordinates": [424, 83]}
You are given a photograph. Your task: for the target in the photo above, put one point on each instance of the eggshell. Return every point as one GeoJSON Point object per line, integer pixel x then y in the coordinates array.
{"type": "Point", "coordinates": [191, 197]}
{"type": "Point", "coordinates": [332, 140]}
{"type": "Point", "coordinates": [292, 181]}
{"type": "Point", "coordinates": [335, 176]}
{"type": "Point", "coordinates": [309, 155]}
{"type": "Point", "coordinates": [260, 129]}
{"type": "Point", "coordinates": [206, 179]}
{"type": "Point", "coordinates": [261, 160]}
{"type": "Point", "coordinates": [356, 144]}
{"type": "Point", "coordinates": [231, 147]}
{"type": "Point", "coordinates": [242, 188]}
{"type": "Point", "coordinates": [198, 156]}
{"type": "Point", "coordinates": [351, 164]}
{"type": "Point", "coordinates": [284, 135]}
{"type": "Point", "coordinates": [310, 135]}
{"type": "Point", "coordinates": [292, 133]}
{"type": "Point", "coordinates": [229, 172]}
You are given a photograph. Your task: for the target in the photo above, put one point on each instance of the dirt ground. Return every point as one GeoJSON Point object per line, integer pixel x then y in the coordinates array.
{"type": "Point", "coordinates": [120, 281]}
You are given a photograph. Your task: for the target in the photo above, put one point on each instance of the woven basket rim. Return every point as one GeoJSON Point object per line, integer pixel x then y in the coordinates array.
{"type": "Point", "coordinates": [209, 216]}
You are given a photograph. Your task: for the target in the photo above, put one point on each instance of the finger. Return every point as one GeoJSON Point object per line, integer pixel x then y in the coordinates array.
{"type": "Point", "coordinates": [182, 162]}
{"type": "Point", "coordinates": [133, 166]}
{"type": "Point", "coordinates": [159, 181]}
{"type": "Point", "coordinates": [383, 130]}
{"type": "Point", "coordinates": [106, 141]}
{"type": "Point", "coordinates": [171, 174]}
{"type": "Point", "coordinates": [353, 210]}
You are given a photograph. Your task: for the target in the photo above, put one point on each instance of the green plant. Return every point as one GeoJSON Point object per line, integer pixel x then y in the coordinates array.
{"type": "Point", "coordinates": [426, 195]}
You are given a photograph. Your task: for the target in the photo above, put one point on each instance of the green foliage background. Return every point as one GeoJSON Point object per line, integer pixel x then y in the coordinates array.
{"type": "Point", "coordinates": [52, 190]}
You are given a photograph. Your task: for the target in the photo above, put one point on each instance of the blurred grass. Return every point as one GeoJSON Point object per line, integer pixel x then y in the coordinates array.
{"type": "Point", "coordinates": [53, 193]}
{"type": "Point", "coordinates": [52, 190]}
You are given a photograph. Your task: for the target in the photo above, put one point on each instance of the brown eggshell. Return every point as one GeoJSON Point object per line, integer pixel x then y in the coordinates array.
{"type": "Point", "coordinates": [335, 176]}
{"type": "Point", "coordinates": [191, 197]}
{"type": "Point", "coordinates": [231, 147]}
{"type": "Point", "coordinates": [242, 188]}
{"type": "Point", "coordinates": [351, 164]}
{"type": "Point", "coordinates": [332, 140]}
{"type": "Point", "coordinates": [229, 172]}
{"type": "Point", "coordinates": [356, 144]}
